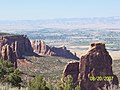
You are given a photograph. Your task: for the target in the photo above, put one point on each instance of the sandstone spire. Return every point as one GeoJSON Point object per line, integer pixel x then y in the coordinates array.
{"type": "Point", "coordinates": [95, 69]}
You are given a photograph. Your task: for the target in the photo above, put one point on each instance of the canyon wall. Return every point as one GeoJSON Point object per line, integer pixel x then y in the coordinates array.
{"type": "Point", "coordinates": [42, 49]}
{"type": "Point", "coordinates": [13, 47]}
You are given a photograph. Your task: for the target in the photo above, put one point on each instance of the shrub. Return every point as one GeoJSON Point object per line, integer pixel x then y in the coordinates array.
{"type": "Point", "coordinates": [67, 84]}
{"type": "Point", "coordinates": [38, 83]}
{"type": "Point", "coordinates": [14, 78]}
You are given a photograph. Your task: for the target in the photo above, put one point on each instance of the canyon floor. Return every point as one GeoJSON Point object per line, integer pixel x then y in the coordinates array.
{"type": "Point", "coordinates": [114, 54]}
{"type": "Point", "coordinates": [50, 68]}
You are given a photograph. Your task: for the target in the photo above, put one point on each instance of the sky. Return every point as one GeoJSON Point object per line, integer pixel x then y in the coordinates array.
{"type": "Point", "coordinates": [52, 9]}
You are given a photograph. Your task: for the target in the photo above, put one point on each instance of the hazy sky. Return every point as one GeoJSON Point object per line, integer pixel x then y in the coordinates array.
{"type": "Point", "coordinates": [49, 9]}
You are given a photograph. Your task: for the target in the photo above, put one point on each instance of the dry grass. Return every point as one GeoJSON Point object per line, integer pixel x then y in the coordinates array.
{"type": "Point", "coordinates": [8, 87]}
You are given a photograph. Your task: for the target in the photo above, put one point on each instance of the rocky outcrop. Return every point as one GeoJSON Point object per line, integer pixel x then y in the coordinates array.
{"type": "Point", "coordinates": [21, 42]}
{"type": "Point", "coordinates": [63, 52]}
{"type": "Point", "coordinates": [95, 69]}
{"type": "Point", "coordinates": [13, 47]}
{"type": "Point", "coordinates": [7, 53]}
{"type": "Point", "coordinates": [41, 48]}
{"type": "Point", "coordinates": [72, 68]}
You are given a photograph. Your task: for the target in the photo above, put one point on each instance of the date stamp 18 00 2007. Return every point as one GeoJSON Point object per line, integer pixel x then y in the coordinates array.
{"type": "Point", "coordinates": [101, 78]}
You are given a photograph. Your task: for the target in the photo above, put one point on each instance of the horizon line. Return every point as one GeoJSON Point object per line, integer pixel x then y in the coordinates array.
{"type": "Point", "coordinates": [60, 18]}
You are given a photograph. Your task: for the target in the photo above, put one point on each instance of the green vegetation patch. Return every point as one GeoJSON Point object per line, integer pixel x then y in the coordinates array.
{"type": "Point", "coordinates": [8, 74]}
{"type": "Point", "coordinates": [51, 68]}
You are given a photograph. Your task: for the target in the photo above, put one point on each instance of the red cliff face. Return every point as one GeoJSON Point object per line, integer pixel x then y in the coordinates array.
{"type": "Point", "coordinates": [7, 53]}
{"type": "Point", "coordinates": [12, 47]}
{"type": "Point", "coordinates": [95, 69]}
{"type": "Point", "coordinates": [23, 44]}
{"type": "Point", "coordinates": [41, 48]}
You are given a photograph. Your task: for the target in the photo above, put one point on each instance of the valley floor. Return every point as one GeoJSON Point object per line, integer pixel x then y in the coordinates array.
{"type": "Point", "coordinates": [114, 54]}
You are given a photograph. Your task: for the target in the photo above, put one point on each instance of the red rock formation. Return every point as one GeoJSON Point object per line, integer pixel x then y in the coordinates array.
{"type": "Point", "coordinates": [12, 47]}
{"type": "Point", "coordinates": [95, 69]}
{"type": "Point", "coordinates": [8, 54]}
{"type": "Point", "coordinates": [3, 53]}
{"type": "Point", "coordinates": [21, 42]}
{"type": "Point", "coordinates": [41, 48]}
{"type": "Point", "coordinates": [72, 68]}
{"type": "Point", "coordinates": [96, 63]}
{"type": "Point", "coordinates": [63, 52]}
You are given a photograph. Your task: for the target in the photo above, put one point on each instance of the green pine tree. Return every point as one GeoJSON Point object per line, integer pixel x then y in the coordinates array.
{"type": "Point", "coordinates": [8, 74]}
